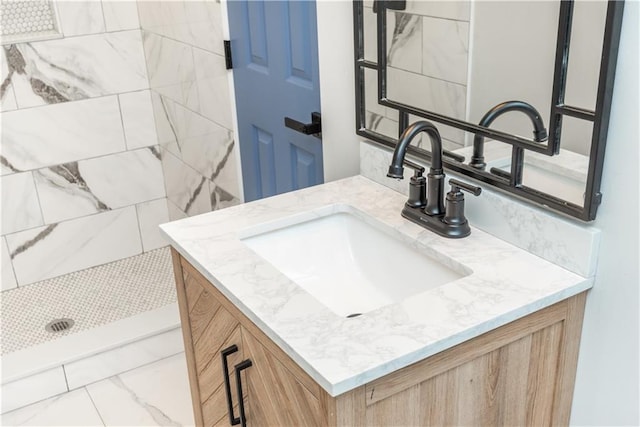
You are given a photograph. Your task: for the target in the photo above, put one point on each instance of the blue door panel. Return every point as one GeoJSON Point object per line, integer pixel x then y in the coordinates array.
{"type": "Point", "coordinates": [275, 58]}
{"type": "Point", "coordinates": [299, 39]}
{"type": "Point", "coordinates": [303, 167]}
{"type": "Point", "coordinates": [257, 31]}
{"type": "Point", "coordinates": [266, 183]}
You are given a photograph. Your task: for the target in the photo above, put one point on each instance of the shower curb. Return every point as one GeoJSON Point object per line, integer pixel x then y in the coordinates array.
{"type": "Point", "coordinates": [73, 361]}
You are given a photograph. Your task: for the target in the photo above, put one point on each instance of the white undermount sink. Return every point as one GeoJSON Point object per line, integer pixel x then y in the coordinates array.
{"type": "Point", "coordinates": [349, 264]}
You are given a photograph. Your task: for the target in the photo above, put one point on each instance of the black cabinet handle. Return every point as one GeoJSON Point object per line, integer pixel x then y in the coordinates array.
{"type": "Point", "coordinates": [225, 369]}
{"type": "Point", "coordinates": [313, 128]}
{"type": "Point", "coordinates": [239, 368]}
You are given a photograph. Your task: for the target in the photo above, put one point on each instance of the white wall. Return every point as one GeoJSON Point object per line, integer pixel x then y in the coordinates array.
{"type": "Point", "coordinates": [608, 376]}
{"type": "Point", "coordinates": [337, 89]}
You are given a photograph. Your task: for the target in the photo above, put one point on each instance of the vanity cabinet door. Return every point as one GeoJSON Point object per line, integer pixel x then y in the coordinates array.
{"type": "Point", "coordinates": [273, 395]}
{"type": "Point", "coordinates": [212, 329]}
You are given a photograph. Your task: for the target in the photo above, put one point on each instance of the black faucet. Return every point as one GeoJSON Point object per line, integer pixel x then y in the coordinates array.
{"type": "Point", "coordinates": [539, 131]}
{"type": "Point", "coordinates": [430, 212]}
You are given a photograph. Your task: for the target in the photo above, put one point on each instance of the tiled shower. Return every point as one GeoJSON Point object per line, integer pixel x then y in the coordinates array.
{"type": "Point", "coordinates": [114, 120]}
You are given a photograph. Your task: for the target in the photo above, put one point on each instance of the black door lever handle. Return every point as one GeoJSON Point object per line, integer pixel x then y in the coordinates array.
{"type": "Point", "coordinates": [313, 128]}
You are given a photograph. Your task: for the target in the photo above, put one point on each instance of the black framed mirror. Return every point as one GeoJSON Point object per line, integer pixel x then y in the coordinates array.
{"type": "Point", "coordinates": [474, 68]}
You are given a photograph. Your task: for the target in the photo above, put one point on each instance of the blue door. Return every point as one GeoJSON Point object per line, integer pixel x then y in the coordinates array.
{"type": "Point", "coordinates": [275, 69]}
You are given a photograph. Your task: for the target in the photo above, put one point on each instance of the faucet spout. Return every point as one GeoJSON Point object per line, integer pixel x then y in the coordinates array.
{"type": "Point", "coordinates": [435, 177]}
{"type": "Point", "coordinates": [395, 169]}
{"type": "Point", "coordinates": [539, 130]}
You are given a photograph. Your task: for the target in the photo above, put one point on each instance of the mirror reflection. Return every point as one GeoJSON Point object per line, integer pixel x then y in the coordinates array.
{"type": "Point", "coordinates": [462, 58]}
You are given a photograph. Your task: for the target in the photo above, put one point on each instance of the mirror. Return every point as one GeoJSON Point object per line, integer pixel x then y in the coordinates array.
{"type": "Point", "coordinates": [451, 62]}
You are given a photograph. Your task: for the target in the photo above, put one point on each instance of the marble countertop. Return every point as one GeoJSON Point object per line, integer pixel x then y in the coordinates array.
{"type": "Point", "coordinates": [506, 283]}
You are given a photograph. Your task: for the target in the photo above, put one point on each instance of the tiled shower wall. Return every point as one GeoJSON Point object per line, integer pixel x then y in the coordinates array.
{"type": "Point", "coordinates": [183, 44]}
{"type": "Point", "coordinates": [82, 180]}
{"type": "Point", "coordinates": [427, 54]}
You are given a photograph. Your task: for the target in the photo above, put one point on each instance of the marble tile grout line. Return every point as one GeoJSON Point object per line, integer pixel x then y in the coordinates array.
{"type": "Point", "coordinates": [94, 404]}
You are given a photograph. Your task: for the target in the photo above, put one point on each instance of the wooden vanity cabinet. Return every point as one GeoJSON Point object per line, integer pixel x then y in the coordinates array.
{"type": "Point", "coordinates": [519, 374]}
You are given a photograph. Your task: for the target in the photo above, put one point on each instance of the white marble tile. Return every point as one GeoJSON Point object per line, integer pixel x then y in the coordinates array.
{"type": "Point", "coordinates": [184, 93]}
{"type": "Point", "coordinates": [20, 206]}
{"type": "Point", "coordinates": [221, 197]}
{"type": "Point", "coordinates": [121, 359]}
{"type": "Point", "coordinates": [161, 15]}
{"type": "Point", "coordinates": [157, 394]}
{"type": "Point", "coordinates": [74, 245]}
{"type": "Point", "coordinates": [80, 17]}
{"type": "Point", "coordinates": [79, 67]}
{"type": "Point", "coordinates": [213, 87]}
{"type": "Point", "coordinates": [186, 188]}
{"type": "Point", "coordinates": [169, 62]}
{"type": "Point", "coordinates": [38, 137]}
{"type": "Point", "coordinates": [199, 142]}
{"type": "Point", "coordinates": [7, 97]}
{"type": "Point", "coordinates": [76, 189]}
{"type": "Point", "coordinates": [69, 409]}
{"type": "Point", "coordinates": [174, 212]}
{"type": "Point", "coordinates": [163, 114]}
{"type": "Point", "coordinates": [404, 41]}
{"type": "Point", "coordinates": [452, 9]}
{"type": "Point", "coordinates": [427, 93]}
{"type": "Point", "coordinates": [8, 278]}
{"type": "Point", "coordinates": [205, 25]}
{"type": "Point", "coordinates": [137, 119]}
{"type": "Point", "coordinates": [150, 215]}
{"type": "Point", "coordinates": [17, 394]}
{"type": "Point", "coordinates": [120, 14]}
{"type": "Point", "coordinates": [445, 46]}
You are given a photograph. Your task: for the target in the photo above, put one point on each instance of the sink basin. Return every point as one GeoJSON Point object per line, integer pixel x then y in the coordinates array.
{"type": "Point", "coordinates": [348, 261]}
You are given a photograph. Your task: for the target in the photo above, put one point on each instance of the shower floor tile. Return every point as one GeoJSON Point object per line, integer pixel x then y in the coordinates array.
{"type": "Point", "coordinates": [152, 395]}
{"type": "Point", "coordinates": [92, 297]}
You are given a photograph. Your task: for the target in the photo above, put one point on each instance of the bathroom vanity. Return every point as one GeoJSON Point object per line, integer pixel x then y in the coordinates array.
{"type": "Point", "coordinates": [495, 342]}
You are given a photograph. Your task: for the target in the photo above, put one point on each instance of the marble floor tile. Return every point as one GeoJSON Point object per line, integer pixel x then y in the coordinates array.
{"type": "Point", "coordinates": [124, 358]}
{"type": "Point", "coordinates": [69, 409]}
{"type": "Point", "coordinates": [43, 385]}
{"type": "Point", "coordinates": [153, 395]}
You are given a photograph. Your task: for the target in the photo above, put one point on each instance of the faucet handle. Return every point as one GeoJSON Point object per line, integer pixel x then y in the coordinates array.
{"type": "Point", "coordinates": [454, 212]}
{"type": "Point", "coordinates": [456, 186]}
